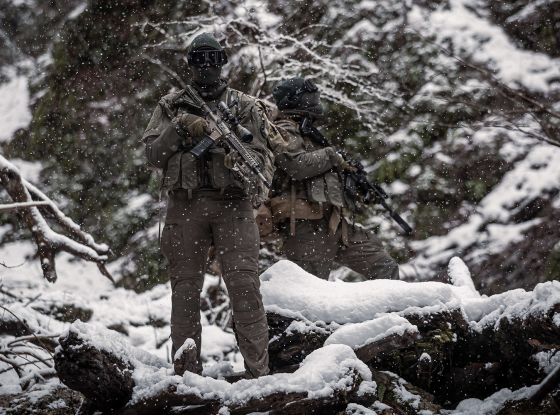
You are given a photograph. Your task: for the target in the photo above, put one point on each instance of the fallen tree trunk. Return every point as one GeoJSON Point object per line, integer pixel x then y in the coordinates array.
{"type": "Point", "coordinates": [292, 340]}
{"type": "Point", "coordinates": [448, 357]}
{"type": "Point", "coordinates": [434, 348]}
{"type": "Point", "coordinates": [105, 375]}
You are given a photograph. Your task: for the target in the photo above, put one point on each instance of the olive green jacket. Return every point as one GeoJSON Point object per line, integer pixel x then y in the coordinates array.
{"type": "Point", "coordinates": [307, 170]}
{"type": "Point", "coordinates": [169, 151]}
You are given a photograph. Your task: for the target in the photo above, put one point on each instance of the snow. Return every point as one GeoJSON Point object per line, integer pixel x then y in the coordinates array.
{"type": "Point", "coordinates": [23, 2]}
{"type": "Point", "coordinates": [77, 11]}
{"type": "Point", "coordinates": [323, 372]}
{"type": "Point", "coordinates": [425, 357]}
{"type": "Point", "coordinates": [112, 342]}
{"type": "Point", "coordinates": [14, 106]}
{"type": "Point", "coordinates": [460, 275]}
{"type": "Point", "coordinates": [256, 10]}
{"type": "Point", "coordinates": [537, 174]}
{"type": "Point", "coordinates": [367, 387]}
{"type": "Point", "coordinates": [29, 170]}
{"type": "Point", "coordinates": [216, 343]}
{"type": "Point", "coordinates": [475, 37]}
{"type": "Point", "coordinates": [58, 404]}
{"type": "Point", "coordinates": [513, 304]}
{"type": "Point", "coordinates": [548, 360]}
{"type": "Point", "coordinates": [286, 287]}
{"type": "Point", "coordinates": [80, 284]}
{"type": "Point", "coordinates": [188, 344]}
{"type": "Point", "coordinates": [356, 409]}
{"type": "Point", "coordinates": [289, 290]}
{"type": "Point", "coordinates": [360, 334]}
{"type": "Point", "coordinates": [353, 314]}
{"type": "Point", "coordinates": [492, 404]}
{"type": "Point", "coordinates": [490, 227]}
{"type": "Point", "coordinates": [404, 395]}
{"type": "Point", "coordinates": [74, 276]}
{"type": "Point", "coordinates": [526, 12]}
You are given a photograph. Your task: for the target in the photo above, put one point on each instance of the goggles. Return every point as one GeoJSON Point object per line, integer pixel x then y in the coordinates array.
{"type": "Point", "coordinates": [207, 57]}
{"type": "Point", "coordinates": [308, 86]}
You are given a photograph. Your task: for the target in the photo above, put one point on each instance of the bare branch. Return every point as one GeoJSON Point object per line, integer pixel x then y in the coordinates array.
{"type": "Point", "coordinates": [79, 244]}
{"type": "Point", "coordinates": [25, 325]}
{"type": "Point", "coordinates": [15, 206]}
{"type": "Point", "coordinates": [10, 266]}
{"type": "Point", "coordinates": [165, 68]}
{"type": "Point", "coordinates": [15, 365]}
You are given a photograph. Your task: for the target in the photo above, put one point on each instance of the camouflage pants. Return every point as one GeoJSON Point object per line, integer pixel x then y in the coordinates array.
{"type": "Point", "coordinates": [315, 250]}
{"type": "Point", "coordinates": [192, 225]}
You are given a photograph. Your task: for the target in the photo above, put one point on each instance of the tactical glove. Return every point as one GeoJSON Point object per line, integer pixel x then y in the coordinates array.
{"type": "Point", "coordinates": [191, 125]}
{"type": "Point", "coordinates": [230, 159]}
{"type": "Point", "coordinates": [338, 160]}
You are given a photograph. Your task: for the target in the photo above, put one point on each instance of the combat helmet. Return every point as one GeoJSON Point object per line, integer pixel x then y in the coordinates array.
{"type": "Point", "coordinates": [298, 96]}
{"type": "Point", "coordinates": [206, 50]}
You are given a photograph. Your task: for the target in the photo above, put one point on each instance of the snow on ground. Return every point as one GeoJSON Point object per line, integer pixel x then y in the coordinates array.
{"type": "Point", "coordinates": [80, 284]}
{"type": "Point", "coordinates": [290, 291]}
{"type": "Point", "coordinates": [492, 404]}
{"type": "Point", "coordinates": [548, 360]}
{"type": "Point", "coordinates": [361, 334]}
{"type": "Point", "coordinates": [14, 105]}
{"type": "Point", "coordinates": [287, 289]}
{"type": "Point", "coordinates": [323, 372]}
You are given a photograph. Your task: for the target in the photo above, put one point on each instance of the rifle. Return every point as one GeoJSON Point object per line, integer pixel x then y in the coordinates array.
{"type": "Point", "coordinates": [356, 183]}
{"type": "Point", "coordinates": [229, 131]}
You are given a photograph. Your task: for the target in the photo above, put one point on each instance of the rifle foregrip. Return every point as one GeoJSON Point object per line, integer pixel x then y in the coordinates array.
{"type": "Point", "coordinates": [202, 147]}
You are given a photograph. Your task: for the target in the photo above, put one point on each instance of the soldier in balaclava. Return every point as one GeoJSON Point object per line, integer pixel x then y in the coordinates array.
{"type": "Point", "coordinates": [210, 203]}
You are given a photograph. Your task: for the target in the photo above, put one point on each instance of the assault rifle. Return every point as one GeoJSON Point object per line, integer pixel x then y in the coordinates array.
{"type": "Point", "coordinates": [356, 183]}
{"type": "Point", "coordinates": [227, 130]}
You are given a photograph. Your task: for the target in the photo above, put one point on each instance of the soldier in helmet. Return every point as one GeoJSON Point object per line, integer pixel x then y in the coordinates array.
{"type": "Point", "coordinates": [308, 198]}
{"type": "Point", "coordinates": [209, 203]}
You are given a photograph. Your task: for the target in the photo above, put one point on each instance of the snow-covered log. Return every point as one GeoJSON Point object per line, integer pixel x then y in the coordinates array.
{"type": "Point", "coordinates": [113, 375]}
{"type": "Point", "coordinates": [104, 377]}
{"type": "Point", "coordinates": [358, 340]}
{"type": "Point", "coordinates": [446, 338]}
{"type": "Point", "coordinates": [49, 242]}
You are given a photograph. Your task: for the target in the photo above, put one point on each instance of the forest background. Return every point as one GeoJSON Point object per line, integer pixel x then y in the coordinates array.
{"type": "Point", "coordinates": [453, 106]}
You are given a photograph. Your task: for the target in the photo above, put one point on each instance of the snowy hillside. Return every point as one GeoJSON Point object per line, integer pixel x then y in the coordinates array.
{"type": "Point", "coordinates": [454, 106]}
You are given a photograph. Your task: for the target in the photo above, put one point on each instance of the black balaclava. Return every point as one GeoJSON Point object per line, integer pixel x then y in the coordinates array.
{"type": "Point", "coordinates": [206, 76]}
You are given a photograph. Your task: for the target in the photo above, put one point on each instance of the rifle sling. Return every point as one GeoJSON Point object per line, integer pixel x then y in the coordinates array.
{"type": "Point", "coordinates": [292, 209]}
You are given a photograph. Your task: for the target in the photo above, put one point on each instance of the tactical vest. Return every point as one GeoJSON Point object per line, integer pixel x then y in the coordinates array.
{"type": "Point", "coordinates": [184, 171]}
{"type": "Point", "coordinates": [321, 196]}
{"type": "Point", "coordinates": [327, 188]}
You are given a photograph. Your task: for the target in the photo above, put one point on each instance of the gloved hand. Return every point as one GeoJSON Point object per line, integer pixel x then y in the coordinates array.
{"type": "Point", "coordinates": [339, 161]}
{"type": "Point", "coordinates": [230, 159]}
{"type": "Point", "coordinates": [191, 125]}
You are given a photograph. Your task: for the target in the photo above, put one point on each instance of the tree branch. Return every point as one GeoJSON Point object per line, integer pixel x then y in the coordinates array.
{"type": "Point", "coordinates": [79, 243]}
